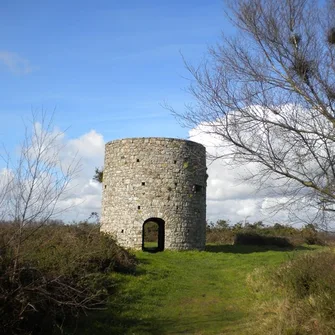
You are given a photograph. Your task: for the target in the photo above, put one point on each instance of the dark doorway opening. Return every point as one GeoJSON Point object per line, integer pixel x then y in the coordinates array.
{"type": "Point", "coordinates": [153, 235]}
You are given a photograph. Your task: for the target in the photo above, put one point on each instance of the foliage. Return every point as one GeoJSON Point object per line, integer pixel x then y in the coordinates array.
{"type": "Point", "coordinates": [220, 236]}
{"type": "Point", "coordinates": [307, 304]}
{"type": "Point", "coordinates": [49, 272]}
{"type": "Point", "coordinates": [221, 232]}
{"type": "Point", "coordinates": [98, 175]}
{"type": "Point", "coordinates": [61, 272]}
{"type": "Point", "coordinates": [311, 235]}
{"type": "Point", "coordinates": [252, 238]}
{"type": "Point", "coordinates": [32, 189]}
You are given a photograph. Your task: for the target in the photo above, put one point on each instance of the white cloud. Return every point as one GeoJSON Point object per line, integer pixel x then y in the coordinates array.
{"type": "Point", "coordinates": [15, 63]}
{"type": "Point", "coordinates": [89, 145]}
{"type": "Point", "coordinates": [84, 196]}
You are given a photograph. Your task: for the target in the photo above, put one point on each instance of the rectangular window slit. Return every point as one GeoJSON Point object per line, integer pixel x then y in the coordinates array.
{"type": "Point", "coordinates": [137, 160]}
{"type": "Point", "coordinates": [143, 183]}
{"type": "Point", "coordinates": [138, 207]}
{"type": "Point", "coordinates": [197, 188]}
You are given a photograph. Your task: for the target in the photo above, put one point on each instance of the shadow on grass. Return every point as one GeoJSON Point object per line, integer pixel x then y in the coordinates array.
{"type": "Point", "coordinates": [108, 322]}
{"type": "Point", "coordinates": [248, 249]}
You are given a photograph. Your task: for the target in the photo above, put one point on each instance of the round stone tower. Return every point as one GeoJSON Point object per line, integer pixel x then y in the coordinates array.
{"type": "Point", "coordinates": [155, 179]}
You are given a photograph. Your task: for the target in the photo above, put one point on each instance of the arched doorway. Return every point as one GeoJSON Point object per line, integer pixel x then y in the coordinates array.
{"type": "Point", "coordinates": [153, 235]}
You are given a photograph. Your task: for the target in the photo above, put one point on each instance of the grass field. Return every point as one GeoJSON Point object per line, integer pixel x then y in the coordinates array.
{"type": "Point", "coordinates": [189, 292]}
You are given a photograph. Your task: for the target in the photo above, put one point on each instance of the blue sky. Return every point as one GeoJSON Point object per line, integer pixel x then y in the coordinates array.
{"type": "Point", "coordinates": [106, 68]}
{"type": "Point", "coordinates": [104, 65]}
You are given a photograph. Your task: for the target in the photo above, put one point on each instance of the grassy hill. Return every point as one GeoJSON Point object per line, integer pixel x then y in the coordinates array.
{"type": "Point", "coordinates": [191, 292]}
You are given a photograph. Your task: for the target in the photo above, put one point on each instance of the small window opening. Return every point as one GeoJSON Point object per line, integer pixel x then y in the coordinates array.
{"type": "Point", "coordinates": [175, 162]}
{"type": "Point", "coordinates": [197, 188]}
{"type": "Point", "coordinates": [138, 207]}
{"type": "Point", "coordinates": [122, 231]}
{"type": "Point", "coordinates": [143, 183]}
{"type": "Point", "coordinates": [105, 186]}
{"type": "Point", "coordinates": [137, 160]}
{"type": "Point", "coordinates": [176, 184]}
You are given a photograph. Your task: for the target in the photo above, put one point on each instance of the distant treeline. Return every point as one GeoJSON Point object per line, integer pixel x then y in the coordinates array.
{"type": "Point", "coordinates": [223, 232]}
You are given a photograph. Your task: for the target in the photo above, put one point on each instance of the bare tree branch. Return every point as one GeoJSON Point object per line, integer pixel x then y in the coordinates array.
{"type": "Point", "coordinates": [268, 96]}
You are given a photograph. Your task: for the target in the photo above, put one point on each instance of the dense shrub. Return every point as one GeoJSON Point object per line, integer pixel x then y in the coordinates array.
{"type": "Point", "coordinates": [311, 236]}
{"type": "Point", "coordinates": [60, 272]}
{"type": "Point", "coordinates": [252, 238]}
{"type": "Point", "coordinates": [220, 236]}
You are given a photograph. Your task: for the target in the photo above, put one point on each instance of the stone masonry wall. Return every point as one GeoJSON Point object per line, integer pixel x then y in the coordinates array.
{"type": "Point", "coordinates": [155, 178]}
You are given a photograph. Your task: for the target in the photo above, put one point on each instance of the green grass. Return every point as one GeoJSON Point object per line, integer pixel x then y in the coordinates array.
{"type": "Point", "coordinates": [189, 292]}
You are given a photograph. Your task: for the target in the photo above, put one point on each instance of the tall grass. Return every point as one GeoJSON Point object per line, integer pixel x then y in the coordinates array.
{"type": "Point", "coordinates": [305, 291]}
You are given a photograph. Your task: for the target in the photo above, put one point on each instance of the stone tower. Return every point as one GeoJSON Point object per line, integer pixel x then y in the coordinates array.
{"type": "Point", "coordinates": [155, 179]}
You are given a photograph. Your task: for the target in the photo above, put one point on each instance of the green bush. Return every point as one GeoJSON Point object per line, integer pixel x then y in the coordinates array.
{"type": "Point", "coordinates": [220, 236]}
{"type": "Point", "coordinates": [252, 238]}
{"type": "Point", "coordinates": [75, 250]}
{"type": "Point", "coordinates": [311, 236]}
{"type": "Point", "coordinates": [60, 272]}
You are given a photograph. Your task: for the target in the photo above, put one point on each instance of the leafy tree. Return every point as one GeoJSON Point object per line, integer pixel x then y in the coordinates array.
{"type": "Point", "coordinates": [98, 175]}
{"type": "Point", "coordinates": [222, 224]}
{"type": "Point", "coordinates": [238, 226]}
{"type": "Point", "coordinates": [268, 96]}
{"type": "Point", "coordinates": [255, 225]}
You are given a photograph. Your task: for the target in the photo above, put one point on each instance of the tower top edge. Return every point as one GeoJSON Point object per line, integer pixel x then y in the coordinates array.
{"type": "Point", "coordinates": [152, 139]}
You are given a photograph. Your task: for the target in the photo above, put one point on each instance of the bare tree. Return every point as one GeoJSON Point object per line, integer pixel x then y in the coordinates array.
{"type": "Point", "coordinates": [33, 185]}
{"type": "Point", "coordinates": [6, 180]}
{"type": "Point", "coordinates": [268, 96]}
